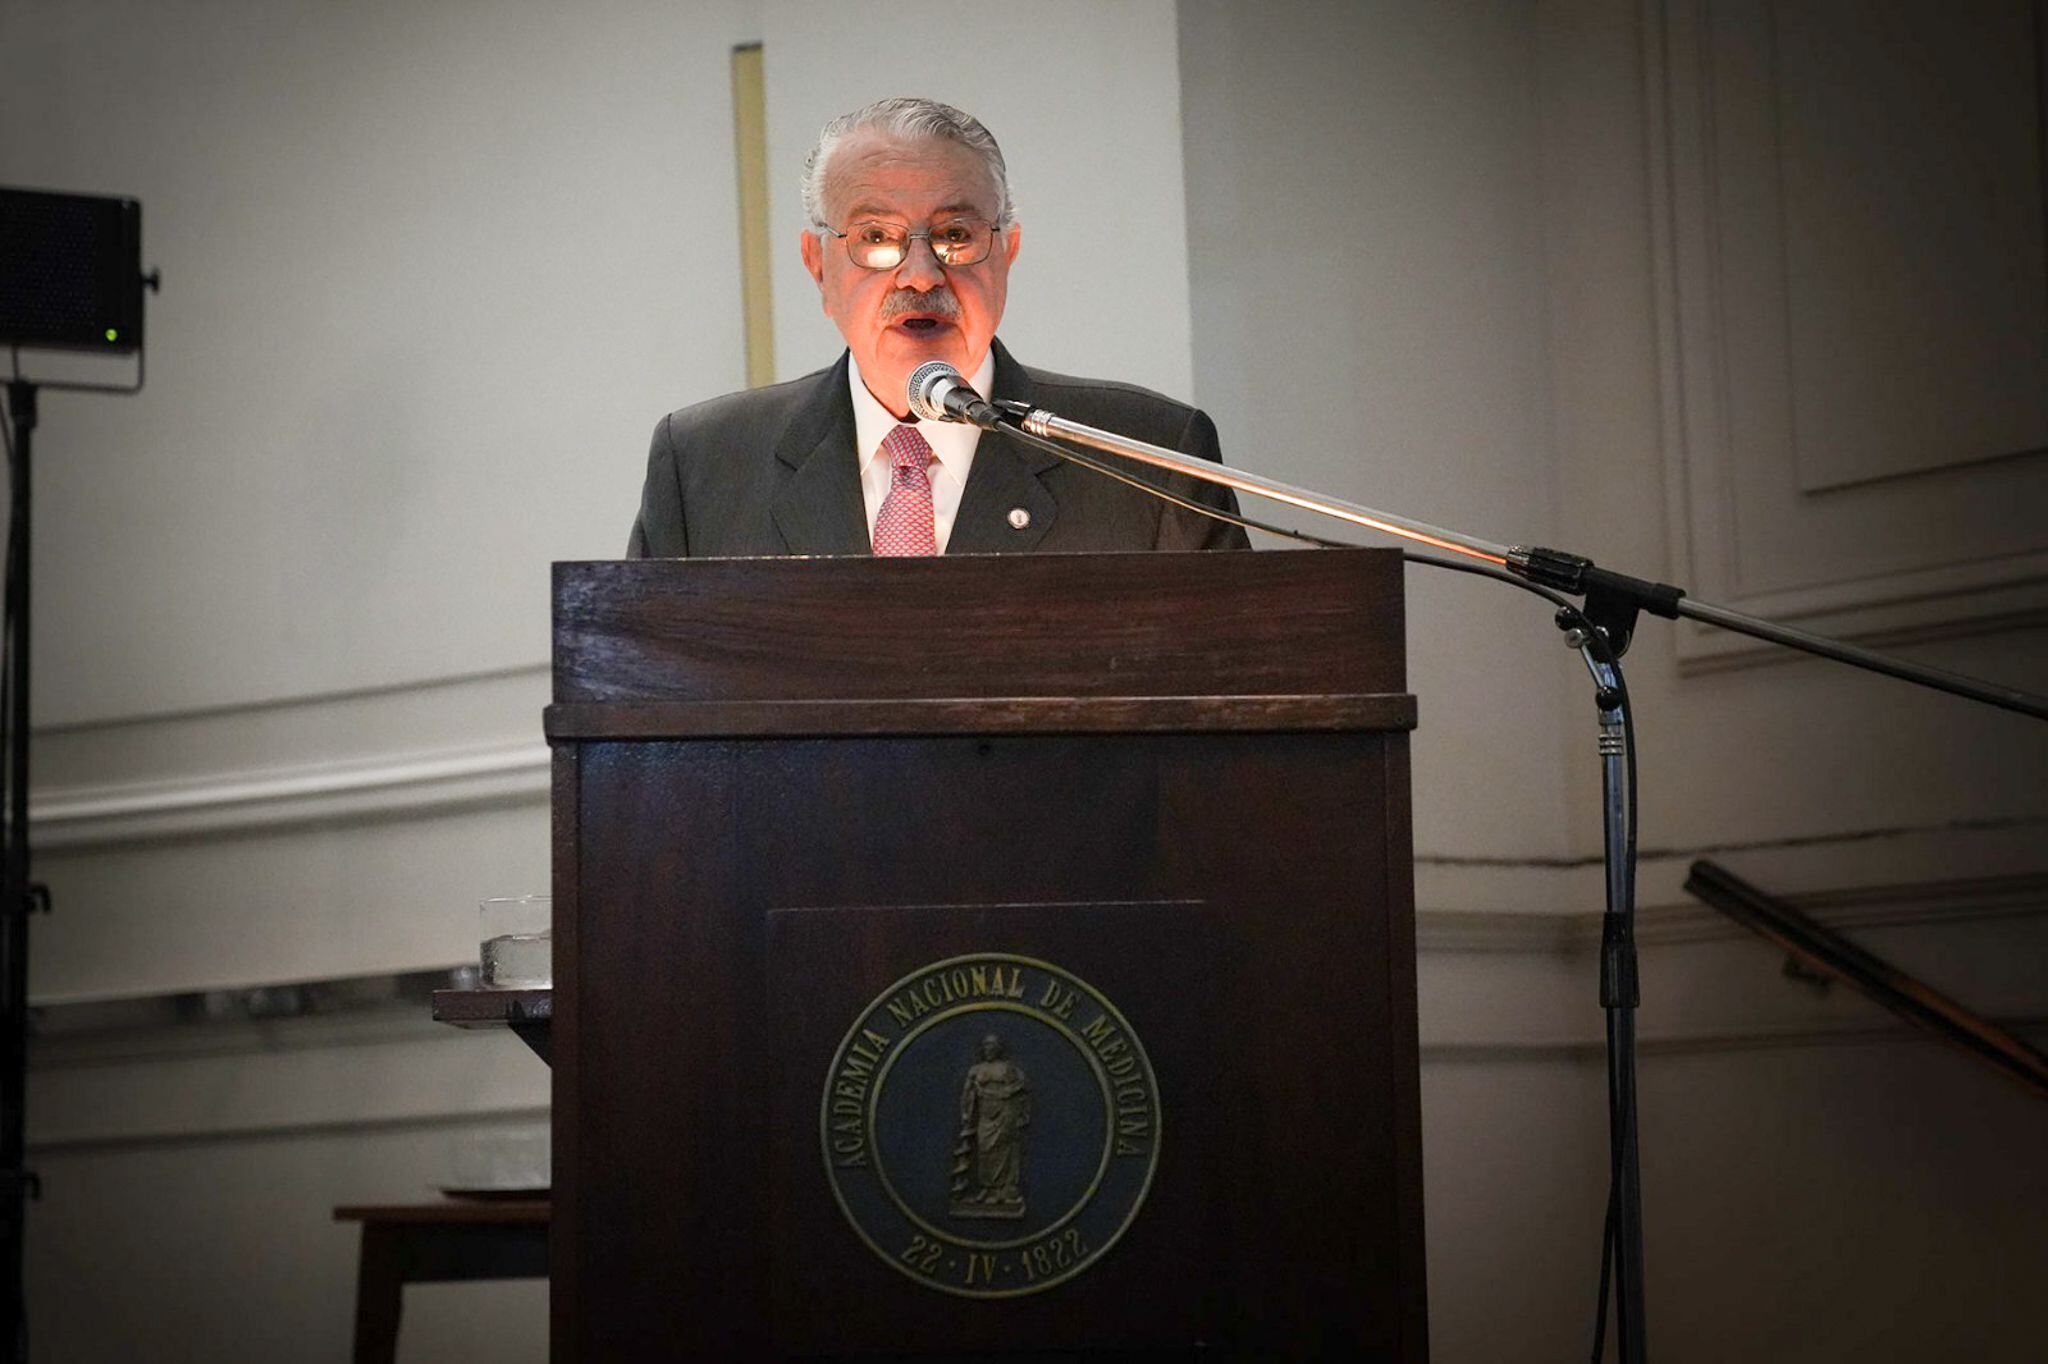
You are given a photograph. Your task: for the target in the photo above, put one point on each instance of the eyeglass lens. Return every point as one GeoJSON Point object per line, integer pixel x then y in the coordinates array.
{"type": "Point", "coordinates": [882, 246]}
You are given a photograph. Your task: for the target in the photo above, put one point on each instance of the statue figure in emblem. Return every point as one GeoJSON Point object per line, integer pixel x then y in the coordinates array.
{"type": "Point", "coordinates": [988, 1157]}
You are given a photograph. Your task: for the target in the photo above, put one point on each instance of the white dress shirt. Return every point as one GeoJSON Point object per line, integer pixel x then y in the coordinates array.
{"type": "Point", "coordinates": [952, 445]}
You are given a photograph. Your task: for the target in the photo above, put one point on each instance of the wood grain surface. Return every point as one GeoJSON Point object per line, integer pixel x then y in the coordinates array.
{"type": "Point", "coordinates": [727, 904]}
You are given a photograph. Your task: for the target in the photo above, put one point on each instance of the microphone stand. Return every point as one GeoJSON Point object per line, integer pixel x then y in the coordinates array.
{"type": "Point", "coordinates": [1600, 632]}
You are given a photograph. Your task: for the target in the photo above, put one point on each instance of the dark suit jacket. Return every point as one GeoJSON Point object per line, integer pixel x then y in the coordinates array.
{"type": "Point", "coordinates": [773, 471]}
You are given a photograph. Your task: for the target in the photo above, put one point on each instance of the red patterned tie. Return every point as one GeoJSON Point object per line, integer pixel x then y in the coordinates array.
{"type": "Point", "coordinates": [904, 524]}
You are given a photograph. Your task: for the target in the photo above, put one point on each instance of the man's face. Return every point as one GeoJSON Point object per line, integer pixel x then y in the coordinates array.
{"type": "Point", "coordinates": [895, 320]}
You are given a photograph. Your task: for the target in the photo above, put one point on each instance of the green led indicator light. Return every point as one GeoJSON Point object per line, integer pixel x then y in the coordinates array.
{"type": "Point", "coordinates": [113, 335]}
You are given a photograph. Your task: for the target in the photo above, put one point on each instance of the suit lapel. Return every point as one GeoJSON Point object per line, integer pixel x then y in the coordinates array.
{"type": "Point", "coordinates": [1004, 481]}
{"type": "Point", "coordinates": [818, 507]}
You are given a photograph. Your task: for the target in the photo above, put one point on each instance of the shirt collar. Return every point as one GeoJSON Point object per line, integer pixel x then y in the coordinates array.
{"type": "Point", "coordinates": [952, 442]}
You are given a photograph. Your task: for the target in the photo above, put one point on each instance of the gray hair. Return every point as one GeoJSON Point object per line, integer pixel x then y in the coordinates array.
{"type": "Point", "coordinates": [906, 119]}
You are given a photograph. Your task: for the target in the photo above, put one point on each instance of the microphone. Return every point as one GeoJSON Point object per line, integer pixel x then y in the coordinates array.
{"type": "Point", "coordinates": [937, 393]}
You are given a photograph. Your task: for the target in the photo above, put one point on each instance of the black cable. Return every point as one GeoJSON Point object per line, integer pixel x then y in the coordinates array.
{"type": "Point", "coordinates": [7, 641]}
{"type": "Point", "coordinates": [14, 861]}
{"type": "Point", "coordinates": [1620, 1136]}
{"type": "Point", "coordinates": [1615, 1060]}
{"type": "Point", "coordinates": [1477, 567]}
{"type": "Point", "coordinates": [7, 609]}
{"type": "Point", "coordinates": [1184, 503]}
{"type": "Point", "coordinates": [1571, 616]}
{"type": "Point", "coordinates": [1607, 1218]}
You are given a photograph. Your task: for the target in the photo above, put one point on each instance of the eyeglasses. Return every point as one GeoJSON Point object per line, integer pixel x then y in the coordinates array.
{"type": "Point", "coordinates": [882, 246]}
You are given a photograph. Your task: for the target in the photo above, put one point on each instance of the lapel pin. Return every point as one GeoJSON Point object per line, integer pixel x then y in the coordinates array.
{"type": "Point", "coordinates": [1019, 518]}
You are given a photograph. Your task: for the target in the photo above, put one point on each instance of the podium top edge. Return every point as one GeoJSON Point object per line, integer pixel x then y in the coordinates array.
{"type": "Point", "coordinates": [857, 628]}
{"type": "Point", "coordinates": [940, 562]}
{"type": "Point", "coordinates": [596, 721]}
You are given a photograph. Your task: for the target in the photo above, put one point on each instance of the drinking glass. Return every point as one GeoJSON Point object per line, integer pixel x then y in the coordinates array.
{"type": "Point", "coordinates": [518, 942]}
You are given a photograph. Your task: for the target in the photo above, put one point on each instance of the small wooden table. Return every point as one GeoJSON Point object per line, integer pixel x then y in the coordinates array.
{"type": "Point", "coordinates": [438, 1243]}
{"type": "Point", "coordinates": [529, 1014]}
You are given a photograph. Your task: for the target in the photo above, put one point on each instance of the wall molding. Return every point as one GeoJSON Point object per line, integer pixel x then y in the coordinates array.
{"type": "Point", "coordinates": [425, 782]}
{"type": "Point", "coordinates": [199, 1134]}
{"type": "Point", "coordinates": [217, 804]}
{"type": "Point", "coordinates": [360, 1054]}
{"type": "Point", "coordinates": [356, 1010]}
{"type": "Point", "coordinates": [1904, 904]}
{"type": "Point", "coordinates": [1696, 279]}
{"type": "Point", "coordinates": [100, 1128]}
{"type": "Point", "coordinates": [308, 702]}
{"type": "Point", "coordinates": [1586, 1050]}
{"type": "Point", "coordinates": [1708, 1041]}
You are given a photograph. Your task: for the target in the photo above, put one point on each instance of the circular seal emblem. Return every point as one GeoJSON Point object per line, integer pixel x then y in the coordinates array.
{"type": "Point", "coordinates": [990, 1125]}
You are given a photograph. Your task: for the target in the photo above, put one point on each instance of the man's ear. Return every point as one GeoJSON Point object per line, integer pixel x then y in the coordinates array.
{"type": "Point", "coordinates": [1011, 238]}
{"type": "Point", "coordinates": [813, 252]}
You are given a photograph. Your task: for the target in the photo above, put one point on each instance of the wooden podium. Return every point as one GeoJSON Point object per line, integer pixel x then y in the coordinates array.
{"type": "Point", "coordinates": [984, 957]}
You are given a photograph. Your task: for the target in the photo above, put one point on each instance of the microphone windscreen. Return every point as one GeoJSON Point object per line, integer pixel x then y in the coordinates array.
{"type": "Point", "coordinates": [925, 391]}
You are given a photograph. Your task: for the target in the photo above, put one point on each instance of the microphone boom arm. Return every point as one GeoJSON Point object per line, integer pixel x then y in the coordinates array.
{"type": "Point", "coordinates": [1612, 599]}
{"type": "Point", "coordinates": [1039, 422]}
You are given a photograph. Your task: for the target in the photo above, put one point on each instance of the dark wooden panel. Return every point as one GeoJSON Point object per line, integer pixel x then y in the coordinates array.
{"type": "Point", "coordinates": [979, 626]}
{"type": "Point", "coordinates": [665, 1126]}
{"type": "Point", "coordinates": [1175, 970]}
{"type": "Point", "coordinates": [995, 715]}
{"type": "Point", "coordinates": [1396, 897]}
{"type": "Point", "coordinates": [1019, 740]}
{"type": "Point", "coordinates": [1290, 1220]}
{"type": "Point", "coordinates": [566, 1235]}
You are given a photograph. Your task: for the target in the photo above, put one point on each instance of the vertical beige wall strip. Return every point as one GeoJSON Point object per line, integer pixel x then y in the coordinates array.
{"type": "Point", "coordinates": [750, 145]}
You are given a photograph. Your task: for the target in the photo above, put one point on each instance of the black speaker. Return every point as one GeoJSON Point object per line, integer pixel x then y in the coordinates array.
{"type": "Point", "coordinates": [70, 271]}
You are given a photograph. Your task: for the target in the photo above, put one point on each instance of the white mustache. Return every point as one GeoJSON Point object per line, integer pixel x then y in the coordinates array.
{"type": "Point", "coordinates": [937, 303]}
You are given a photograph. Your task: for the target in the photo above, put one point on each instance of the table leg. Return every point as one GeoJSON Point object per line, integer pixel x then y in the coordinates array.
{"type": "Point", "coordinates": [378, 1285]}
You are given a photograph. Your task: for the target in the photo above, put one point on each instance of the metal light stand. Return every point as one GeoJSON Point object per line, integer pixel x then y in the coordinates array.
{"type": "Point", "coordinates": [20, 896]}
{"type": "Point", "coordinates": [1601, 634]}
{"type": "Point", "coordinates": [16, 1182]}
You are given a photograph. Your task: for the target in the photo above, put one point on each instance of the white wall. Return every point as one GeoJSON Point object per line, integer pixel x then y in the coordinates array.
{"type": "Point", "coordinates": [1459, 221]}
{"type": "Point", "coordinates": [423, 291]}
{"type": "Point", "coordinates": [1772, 746]}
{"type": "Point", "coordinates": [190, 1174]}
{"type": "Point", "coordinates": [1363, 228]}
{"type": "Point", "coordinates": [423, 302]}
{"type": "Point", "coordinates": [431, 275]}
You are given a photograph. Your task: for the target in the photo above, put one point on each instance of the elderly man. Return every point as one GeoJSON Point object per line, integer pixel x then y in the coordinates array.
{"type": "Point", "coordinates": [911, 241]}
